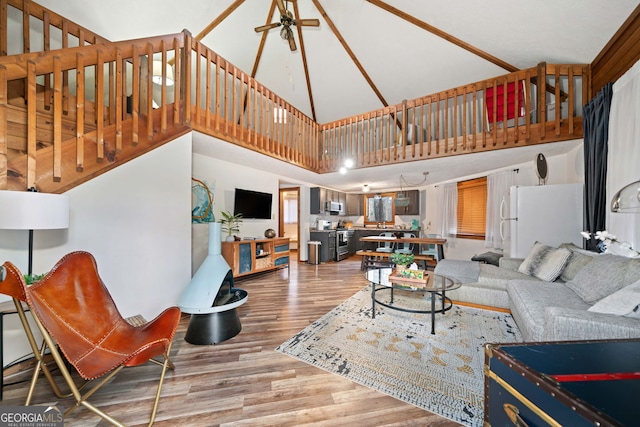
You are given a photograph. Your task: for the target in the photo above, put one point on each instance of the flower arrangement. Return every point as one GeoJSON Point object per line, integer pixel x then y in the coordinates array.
{"type": "Point", "coordinates": [610, 244]}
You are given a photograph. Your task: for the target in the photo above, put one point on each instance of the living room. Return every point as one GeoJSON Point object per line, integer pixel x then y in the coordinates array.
{"type": "Point", "coordinates": [124, 220]}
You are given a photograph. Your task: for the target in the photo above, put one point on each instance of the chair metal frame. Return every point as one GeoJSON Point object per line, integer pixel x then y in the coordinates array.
{"type": "Point", "coordinates": [386, 246]}
{"type": "Point", "coordinates": [405, 248]}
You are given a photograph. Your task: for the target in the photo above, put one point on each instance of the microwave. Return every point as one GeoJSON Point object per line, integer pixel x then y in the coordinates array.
{"type": "Point", "coordinates": [333, 207]}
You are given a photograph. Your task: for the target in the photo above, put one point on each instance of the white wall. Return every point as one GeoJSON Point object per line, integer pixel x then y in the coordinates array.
{"type": "Point", "coordinates": [563, 169]}
{"type": "Point", "coordinates": [223, 178]}
{"type": "Point", "coordinates": [135, 220]}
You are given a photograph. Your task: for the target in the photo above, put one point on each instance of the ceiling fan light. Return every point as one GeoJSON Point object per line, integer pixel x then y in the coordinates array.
{"type": "Point", "coordinates": [285, 33]}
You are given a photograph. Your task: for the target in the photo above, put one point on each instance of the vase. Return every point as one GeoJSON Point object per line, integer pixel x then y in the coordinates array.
{"type": "Point", "coordinates": [230, 238]}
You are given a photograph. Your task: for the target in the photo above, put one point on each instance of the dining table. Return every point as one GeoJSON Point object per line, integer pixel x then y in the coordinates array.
{"type": "Point", "coordinates": [438, 241]}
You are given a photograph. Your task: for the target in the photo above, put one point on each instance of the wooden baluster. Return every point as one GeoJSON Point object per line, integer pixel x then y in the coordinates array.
{"type": "Point", "coordinates": [454, 124]}
{"type": "Point", "coordinates": [234, 102]}
{"type": "Point", "coordinates": [3, 119]}
{"type": "Point", "coordinates": [112, 93]}
{"type": "Point", "coordinates": [177, 74]}
{"type": "Point", "coordinates": [47, 48]}
{"type": "Point", "coordinates": [429, 125]}
{"type": "Point", "coordinates": [558, 99]}
{"type": "Point", "coordinates": [4, 35]}
{"type": "Point", "coordinates": [438, 113]}
{"type": "Point", "coordinates": [99, 106]}
{"type": "Point", "coordinates": [149, 91]}
{"type": "Point", "coordinates": [188, 48]}
{"type": "Point", "coordinates": [542, 98]}
{"type": "Point", "coordinates": [571, 101]}
{"type": "Point", "coordinates": [135, 96]}
{"type": "Point", "coordinates": [218, 114]}
{"type": "Point", "coordinates": [57, 119]}
{"type": "Point", "coordinates": [32, 119]}
{"type": "Point", "coordinates": [198, 78]}
{"type": "Point", "coordinates": [65, 74]}
{"type": "Point", "coordinates": [207, 122]}
{"type": "Point", "coordinates": [474, 119]}
{"type": "Point", "coordinates": [228, 115]}
{"type": "Point", "coordinates": [118, 99]}
{"type": "Point", "coordinates": [80, 111]}
{"type": "Point", "coordinates": [464, 118]}
{"type": "Point", "coordinates": [527, 104]}
{"type": "Point", "coordinates": [164, 100]}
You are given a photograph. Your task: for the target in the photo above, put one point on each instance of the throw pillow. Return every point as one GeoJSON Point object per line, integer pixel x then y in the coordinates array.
{"type": "Point", "coordinates": [488, 258]}
{"type": "Point", "coordinates": [544, 262]}
{"type": "Point", "coordinates": [624, 302]}
{"type": "Point", "coordinates": [604, 275]}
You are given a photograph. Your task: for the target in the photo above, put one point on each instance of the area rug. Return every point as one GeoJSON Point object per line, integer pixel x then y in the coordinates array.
{"type": "Point", "coordinates": [396, 354]}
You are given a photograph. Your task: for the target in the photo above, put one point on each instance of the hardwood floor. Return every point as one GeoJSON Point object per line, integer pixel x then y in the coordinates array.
{"type": "Point", "coordinates": [244, 381]}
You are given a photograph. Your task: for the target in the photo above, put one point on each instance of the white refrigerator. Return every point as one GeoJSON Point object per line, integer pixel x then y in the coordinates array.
{"type": "Point", "coordinates": [549, 214]}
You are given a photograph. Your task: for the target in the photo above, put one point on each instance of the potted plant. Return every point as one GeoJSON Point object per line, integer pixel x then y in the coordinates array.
{"type": "Point", "coordinates": [230, 224]}
{"type": "Point", "coordinates": [401, 259]}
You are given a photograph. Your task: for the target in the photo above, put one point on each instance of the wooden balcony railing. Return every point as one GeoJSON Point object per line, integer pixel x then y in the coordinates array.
{"type": "Point", "coordinates": [459, 121]}
{"type": "Point", "coordinates": [94, 105]}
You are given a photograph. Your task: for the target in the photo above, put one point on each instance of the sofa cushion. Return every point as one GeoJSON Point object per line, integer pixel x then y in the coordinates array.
{"type": "Point", "coordinates": [498, 277]}
{"type": "Point", "coordinates": [576, 261]}
{"type": "Point", "coordinates": [625, 302]}
{"type": "Point", "coordinates": [529, 301]}
{"type": "Point", "coordinates": [604, 275]}
{"type": "Point", "coordinates": [544, 262]}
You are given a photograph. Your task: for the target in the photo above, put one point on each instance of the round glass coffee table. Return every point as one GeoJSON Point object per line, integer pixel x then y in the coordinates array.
{"type": "Point", "coordinates": [436, 285]}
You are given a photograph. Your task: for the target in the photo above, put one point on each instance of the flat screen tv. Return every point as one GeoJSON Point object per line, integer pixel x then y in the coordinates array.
{"type": "Point", "coordinates": [252, 204]}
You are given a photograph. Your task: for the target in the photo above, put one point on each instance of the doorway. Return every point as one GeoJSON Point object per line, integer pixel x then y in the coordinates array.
{"type": "Point", "coordinates": [289, 216]}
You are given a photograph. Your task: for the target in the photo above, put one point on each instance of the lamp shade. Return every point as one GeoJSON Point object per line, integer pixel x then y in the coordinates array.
{"type": "Point", "coordinates": [627, 199]}
{"type": "Point", "coordinates": [157, 73]}
{"type": "Point", "coordinates": [28, 210]}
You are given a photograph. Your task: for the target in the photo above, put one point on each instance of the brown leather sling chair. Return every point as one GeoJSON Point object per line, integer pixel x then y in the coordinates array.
{"type": "Point", "coordinates": [76, 314]}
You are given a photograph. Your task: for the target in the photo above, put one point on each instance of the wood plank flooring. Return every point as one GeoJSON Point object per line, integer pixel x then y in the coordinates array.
{"type": "Point", "coordinates": [244, 381]}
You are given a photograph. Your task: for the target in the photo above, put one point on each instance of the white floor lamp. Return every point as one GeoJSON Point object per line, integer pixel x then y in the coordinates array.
{"type": "Point", "coordinates": [31, 210]}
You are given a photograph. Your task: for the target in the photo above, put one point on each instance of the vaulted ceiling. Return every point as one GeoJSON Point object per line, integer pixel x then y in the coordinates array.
{"type": "Point", "coordinates": [369, 53]}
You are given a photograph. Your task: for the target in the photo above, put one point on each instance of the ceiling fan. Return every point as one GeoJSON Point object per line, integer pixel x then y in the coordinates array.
{"type": "Point", "coordinates": [286, 21]}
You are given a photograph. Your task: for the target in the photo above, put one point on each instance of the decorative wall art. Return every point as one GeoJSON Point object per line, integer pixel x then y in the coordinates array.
{"type": "Point", "coordinates": [202, 202]}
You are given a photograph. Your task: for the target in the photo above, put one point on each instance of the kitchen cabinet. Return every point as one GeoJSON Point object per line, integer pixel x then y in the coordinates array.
{"type": "Point", "coordinates": [314, 200]}
{"type": "Point", "coordinates": [327, 239]}
{"type": "Point", "coordinates": [413, 208]}
{"type": "Point", "coordinates": [354, 204]}
{"type": "Point", "coordinates": [317, 200]}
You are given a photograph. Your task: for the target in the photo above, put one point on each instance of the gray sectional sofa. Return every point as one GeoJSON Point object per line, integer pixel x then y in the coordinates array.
{"type": "Point", "coordinates": [556, 294]}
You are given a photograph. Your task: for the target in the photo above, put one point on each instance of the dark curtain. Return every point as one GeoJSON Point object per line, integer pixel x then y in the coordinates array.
{"type": "Point", "coordinates": [595, 123]}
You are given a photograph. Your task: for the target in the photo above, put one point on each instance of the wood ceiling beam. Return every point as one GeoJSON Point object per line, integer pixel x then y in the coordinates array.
{"type": "Point", "coordinates": [219, 19]}
{"type": "Point", "coordinates": [346, 47]}
{"type": "Point", "coordinates": [263, 40]}
{"type": "Point", "coordinates": [296, 15]}
{"type": "Point", "coordinates": [446, 36]}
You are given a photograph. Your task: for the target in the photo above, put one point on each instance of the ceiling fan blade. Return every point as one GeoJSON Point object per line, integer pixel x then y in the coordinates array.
{"type": "Point", "coordinates": [308, 22]}
{"type": "Point", "coordinates": [281, 7]}
{"type": "Point", "coordinates": [266, 27]}
{"type": "Point", "coordinates": [292, 43]}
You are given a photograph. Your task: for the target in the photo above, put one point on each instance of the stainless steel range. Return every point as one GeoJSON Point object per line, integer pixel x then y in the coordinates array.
{"type": "Point", "coordinates": [342, 243]}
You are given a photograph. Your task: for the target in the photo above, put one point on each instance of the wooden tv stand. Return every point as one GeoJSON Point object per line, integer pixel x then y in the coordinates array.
{"type": "Point", "coordinates": [256, 256]}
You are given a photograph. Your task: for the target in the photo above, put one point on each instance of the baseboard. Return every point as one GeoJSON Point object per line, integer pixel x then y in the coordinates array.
{"type": "Point", "coordinates": [482, 306]}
